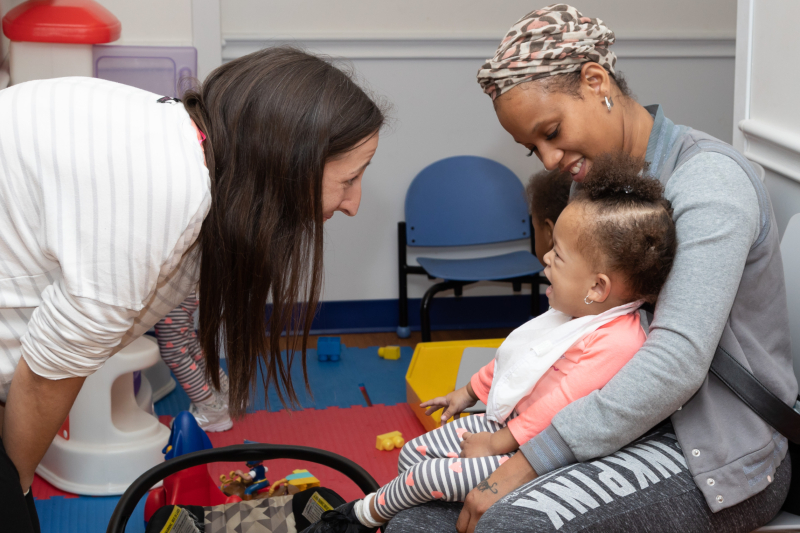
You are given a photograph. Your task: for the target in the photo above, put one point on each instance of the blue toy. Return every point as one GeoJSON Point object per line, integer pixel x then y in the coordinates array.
{"type": "Point", "coordinates": [257, 486]}
{"type": "Point", "coordinates": [329, 348]}
{"type": "Point", "coordinates": [257, 469]}
{"type": "Point", "coordinates": [258, 474]}
{"type": "Point", "coordinates": [186, 437]}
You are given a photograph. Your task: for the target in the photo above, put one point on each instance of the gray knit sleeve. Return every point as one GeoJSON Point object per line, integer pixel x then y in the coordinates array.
{"type": "Point", "coordinates": [716, 215]}
{"type": "Point", "coordinates": [547, 451]}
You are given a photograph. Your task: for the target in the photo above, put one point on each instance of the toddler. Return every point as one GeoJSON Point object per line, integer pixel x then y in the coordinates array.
{"type": "Point", "coordinates": [548, 195]}
{"type": "Point", "coordinates": [180, 350]}
{"type": "Point", "coordinates": [613, 247]}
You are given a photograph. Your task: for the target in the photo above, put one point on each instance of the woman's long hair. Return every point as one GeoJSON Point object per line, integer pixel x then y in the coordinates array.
{"type": "Point", "coordinates": [272, 119]}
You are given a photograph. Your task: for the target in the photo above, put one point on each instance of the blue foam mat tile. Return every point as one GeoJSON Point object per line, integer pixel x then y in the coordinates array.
{"type": "Point", "coordinates": [173, 403]}
{"type": "Point", "coordinates": [85, 514]}
{"type": "Point", "coordinates": [333, 384]}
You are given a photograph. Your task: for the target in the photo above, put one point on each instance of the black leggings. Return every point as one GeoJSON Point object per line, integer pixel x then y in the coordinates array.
{"type": "Point", "coordinates": [17, 511]}
{"type": "Point", "coordinates": [620, 493]}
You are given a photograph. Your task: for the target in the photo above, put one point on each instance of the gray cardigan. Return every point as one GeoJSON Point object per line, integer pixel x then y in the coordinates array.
{"type": "Point", "coordinates": [726, 287]}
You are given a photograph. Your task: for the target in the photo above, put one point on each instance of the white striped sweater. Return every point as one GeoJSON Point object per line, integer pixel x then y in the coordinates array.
{"type": "Point", "coordinates": [103, 191]}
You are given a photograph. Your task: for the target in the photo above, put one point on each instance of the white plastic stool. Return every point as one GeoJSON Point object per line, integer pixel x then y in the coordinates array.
{"type": "Point", "coordinates": [155, 383]}
{"type": "Point", "coordinates": [111, 440]}
{"type": "Point", "coordinates": [160, 379]}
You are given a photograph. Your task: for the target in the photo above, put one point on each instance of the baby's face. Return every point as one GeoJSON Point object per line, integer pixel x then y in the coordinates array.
{"type": "Point", "coordinates": [570, 274]}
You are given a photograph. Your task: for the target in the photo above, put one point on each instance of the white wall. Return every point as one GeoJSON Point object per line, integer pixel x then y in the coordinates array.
{"type": "Point", "coordinates": [767, 112]}
{"type": "Point", "coordinates": [422, 56]}
{"type": "Point", "coordinates": [387, 19]}
{"type": "Point", "coordinates": [440, 111]}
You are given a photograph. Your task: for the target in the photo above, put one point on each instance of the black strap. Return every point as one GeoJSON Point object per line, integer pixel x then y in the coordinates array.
{"type": "Point", "coordinates": [756, 396]}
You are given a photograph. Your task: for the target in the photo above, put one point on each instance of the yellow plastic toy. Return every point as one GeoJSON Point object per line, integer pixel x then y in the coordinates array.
{"type": "Point", "coordinates": [299, 480]}
{"type": "Point", "coordinates": [433, 372]}
{"type": "Point", "coordinates": [389, 441]}
{"type": "Point", "coordinates": [391, 353]}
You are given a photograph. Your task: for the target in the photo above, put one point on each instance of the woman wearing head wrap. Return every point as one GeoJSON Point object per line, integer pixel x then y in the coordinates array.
{"type": "Point", "coordinates": [703, 460]}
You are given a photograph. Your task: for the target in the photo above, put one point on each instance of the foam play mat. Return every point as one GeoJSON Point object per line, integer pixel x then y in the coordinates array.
{"type": "Point", "coordinates": [335, 418]}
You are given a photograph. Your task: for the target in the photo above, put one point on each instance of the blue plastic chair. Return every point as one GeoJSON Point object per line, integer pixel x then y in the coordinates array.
{"type": "Point", "coordinates": [463, 201]}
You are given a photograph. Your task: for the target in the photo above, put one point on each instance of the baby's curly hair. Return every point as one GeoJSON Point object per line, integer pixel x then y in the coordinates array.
{"type": "Point", "coordinates": [548, 194]}
{"type": "Point", "coordinates": [629, 227]}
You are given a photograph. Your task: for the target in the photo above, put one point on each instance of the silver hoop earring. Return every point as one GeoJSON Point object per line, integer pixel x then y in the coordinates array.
{"type": "Point", "coordinates": [609, 103]}
{"type": "Point", "coordinates": [587, 301]}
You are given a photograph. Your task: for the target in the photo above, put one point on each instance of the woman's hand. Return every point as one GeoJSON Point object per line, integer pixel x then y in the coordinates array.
{"type": "Point", "coordinates": [509, 476]}
{"type": "Point", "coordinates": [485, 444]}
{"type": "Point", "coordinates": [454, 403]}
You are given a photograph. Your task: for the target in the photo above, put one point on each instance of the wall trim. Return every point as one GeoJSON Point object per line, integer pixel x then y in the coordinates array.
{"type": "Point", "coordinates": [772, 147]}
{"type": "Point", "coordinates": [478, 48]}
{"type": "Point", "coordinates": [466, 312]}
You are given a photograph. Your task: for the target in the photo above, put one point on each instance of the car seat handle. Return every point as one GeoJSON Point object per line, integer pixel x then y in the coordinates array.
{"type": "Point", "coordinates": [240, 452]}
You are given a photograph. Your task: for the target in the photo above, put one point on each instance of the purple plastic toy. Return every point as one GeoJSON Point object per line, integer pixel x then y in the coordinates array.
{"type": "Point", "coordinates": [158, 69]}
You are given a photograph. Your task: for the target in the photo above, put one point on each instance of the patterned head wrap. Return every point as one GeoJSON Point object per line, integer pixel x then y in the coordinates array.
{"type": "Point", "coordinates": [553, 40]}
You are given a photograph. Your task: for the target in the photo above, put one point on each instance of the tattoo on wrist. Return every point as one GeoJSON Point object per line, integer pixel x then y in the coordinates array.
{"type": "Point", "coordinates": [483, 486]}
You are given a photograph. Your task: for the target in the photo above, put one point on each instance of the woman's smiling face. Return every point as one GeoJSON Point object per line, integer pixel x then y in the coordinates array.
{"type": "Point", "coordinates": [564, 131]}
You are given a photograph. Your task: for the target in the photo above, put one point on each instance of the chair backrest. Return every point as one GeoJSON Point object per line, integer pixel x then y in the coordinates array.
{"type": "Point", "coordinates": [790, 251]}
{"type": "Point", "coordinates": [466, 200]}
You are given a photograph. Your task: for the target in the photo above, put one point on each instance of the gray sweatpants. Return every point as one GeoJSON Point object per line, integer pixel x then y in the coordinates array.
{"type": "Point", "coordinates": [645, 487]}
{"type": "Point", "coordinates": [430, 469]}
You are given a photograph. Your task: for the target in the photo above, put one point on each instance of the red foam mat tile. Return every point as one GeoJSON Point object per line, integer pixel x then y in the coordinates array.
{"type": "Point", "coordinates": [349, 432]}
{"type": "Point", "coordinates": [42, 490]}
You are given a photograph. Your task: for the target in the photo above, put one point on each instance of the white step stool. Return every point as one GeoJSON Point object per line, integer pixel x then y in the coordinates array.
{"type": "Point", "coordinates": [110, 441]}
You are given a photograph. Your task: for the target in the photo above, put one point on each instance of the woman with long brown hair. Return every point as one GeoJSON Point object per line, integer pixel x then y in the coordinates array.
{"type": "Point", "coordinates": [117, 202]}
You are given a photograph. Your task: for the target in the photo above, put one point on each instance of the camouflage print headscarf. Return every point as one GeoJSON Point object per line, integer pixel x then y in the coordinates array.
{"type": "Point", "coordinates": [553, 40]}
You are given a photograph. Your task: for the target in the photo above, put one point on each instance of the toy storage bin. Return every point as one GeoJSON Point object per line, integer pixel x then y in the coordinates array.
{"type": "Point", "coordinates": [158, 69]}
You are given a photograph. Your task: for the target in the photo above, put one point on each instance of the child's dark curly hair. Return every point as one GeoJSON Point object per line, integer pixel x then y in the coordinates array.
{"type": "Point", "coordinates": [629, 226]}
{"type": "Point", "coordinates": [548, 194]}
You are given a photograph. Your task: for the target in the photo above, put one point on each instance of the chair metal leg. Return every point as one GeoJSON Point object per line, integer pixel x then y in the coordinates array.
{"type": "Point", "coordinates": [425, 306]}
{"type": "Point", "coordinates": [403, 331]}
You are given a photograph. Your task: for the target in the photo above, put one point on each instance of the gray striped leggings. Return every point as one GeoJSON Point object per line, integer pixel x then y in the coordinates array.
{"type": "Point", "coordinates": [180, 349]}
{"type": "Point", "coordinates": [430, 468]}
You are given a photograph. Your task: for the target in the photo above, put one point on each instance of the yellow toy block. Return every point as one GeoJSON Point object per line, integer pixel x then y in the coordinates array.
{"type": "Point", "coordinates": [297, 481]}
{"type": "Point", "coordinates": [390, 441]}
{"type": "Point", "coordinates": [433, 372]}
{"type": "Point", "coordinates": [389, 352]}
{"type": "Point", "coordinates": [302, 479]}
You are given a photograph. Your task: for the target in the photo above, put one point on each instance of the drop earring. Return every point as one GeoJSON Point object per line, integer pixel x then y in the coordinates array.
{"type": "Point", "coordinates": [609, 103]}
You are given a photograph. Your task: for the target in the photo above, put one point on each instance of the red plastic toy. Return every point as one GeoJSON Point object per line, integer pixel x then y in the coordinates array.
{"type": "Point", "coordinates": [61, 21]}
{"type": "Point", "coordinates": [192, 486]}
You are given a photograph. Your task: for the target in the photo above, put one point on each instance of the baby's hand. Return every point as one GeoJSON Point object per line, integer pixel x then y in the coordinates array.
{"type": "Point", "coordinates": [484, 444]}
{"type": "Point", "coordinates": [477, 445]}
{"type": "Point", "coordinates": [455, 403]}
